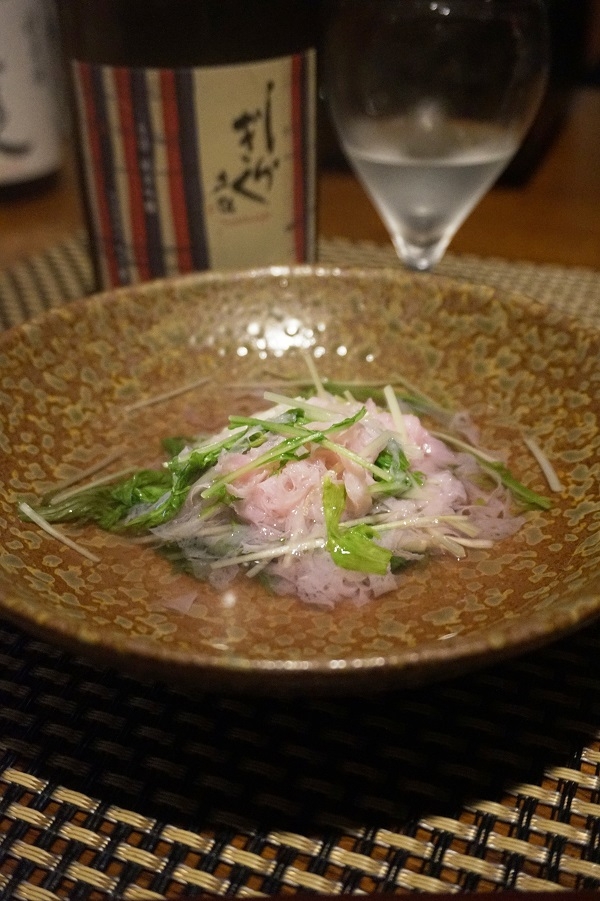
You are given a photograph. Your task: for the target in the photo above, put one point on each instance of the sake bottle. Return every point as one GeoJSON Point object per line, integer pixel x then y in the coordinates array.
{"type": "Point", "coordinates": [195, 122]}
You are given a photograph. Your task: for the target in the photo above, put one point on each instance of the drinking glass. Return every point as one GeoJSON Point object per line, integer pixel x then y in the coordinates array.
{"type": "Point", "coordinates": [430, 101]}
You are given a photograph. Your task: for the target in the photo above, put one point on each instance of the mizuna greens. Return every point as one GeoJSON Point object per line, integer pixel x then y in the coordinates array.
{"type": "Point", "coordinates": [328, 496]}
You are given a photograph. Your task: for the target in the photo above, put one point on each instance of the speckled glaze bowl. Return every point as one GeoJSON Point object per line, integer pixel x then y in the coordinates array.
{"type": "Point", "coordinates": [68, 381]}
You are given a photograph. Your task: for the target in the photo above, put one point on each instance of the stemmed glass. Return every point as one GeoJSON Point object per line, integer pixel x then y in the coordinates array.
{"type": "Point", "coordinates": [431, 99]}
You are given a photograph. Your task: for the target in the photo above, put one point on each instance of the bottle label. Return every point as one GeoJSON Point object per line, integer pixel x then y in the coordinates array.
{"type": "Point", "coordinates": [198, 168]}
{"type": "Point", "coordinates": [29, 126]}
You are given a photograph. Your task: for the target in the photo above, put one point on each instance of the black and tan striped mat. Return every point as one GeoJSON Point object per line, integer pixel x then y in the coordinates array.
{"type": "Point", "coordinates": [64, 273]}
{"type": "Point", "coordinates": [112, 788]}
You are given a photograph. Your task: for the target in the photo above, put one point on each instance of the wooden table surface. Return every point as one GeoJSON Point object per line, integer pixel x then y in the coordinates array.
{"type": "Point", "coordinates": [554, 218]}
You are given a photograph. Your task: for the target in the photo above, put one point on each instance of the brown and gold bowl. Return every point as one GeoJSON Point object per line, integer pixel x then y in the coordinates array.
{"type": "Point", "coordinates": [70, 382]}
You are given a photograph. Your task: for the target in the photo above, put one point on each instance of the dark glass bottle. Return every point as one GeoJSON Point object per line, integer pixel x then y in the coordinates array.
{"type": "Point", "coordinates": [196, 128]}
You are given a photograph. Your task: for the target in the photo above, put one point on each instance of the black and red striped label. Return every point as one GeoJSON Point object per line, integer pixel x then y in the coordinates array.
{"type": "Point", "coordinates": [191, 169]}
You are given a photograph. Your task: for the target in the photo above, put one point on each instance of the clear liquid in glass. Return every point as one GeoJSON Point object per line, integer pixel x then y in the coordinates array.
{"type": "Point", "coordinates": [425, 184]}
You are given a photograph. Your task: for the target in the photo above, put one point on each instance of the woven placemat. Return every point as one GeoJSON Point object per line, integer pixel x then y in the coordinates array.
{"type": "Point", "coordinates": [65, 272]}
{"type": "Point", "coordinates": [113, 788]}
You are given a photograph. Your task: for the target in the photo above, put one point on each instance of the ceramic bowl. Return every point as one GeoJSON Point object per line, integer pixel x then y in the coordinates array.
{"type": "Point", "coordinates": [70, 383]}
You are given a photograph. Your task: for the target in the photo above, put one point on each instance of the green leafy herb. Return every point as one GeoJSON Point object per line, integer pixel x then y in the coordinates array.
{"type": "Point", "coordinates": [351, 547]}
{"type": "Point", "coordinates": [402, 478]}
{"type": "Point", "coordinates": [165, 490]}
{"type": "Point", "coordinates": [183, 474]}
{"type": "Point", "coordinates": [174, 445]}
{"type": "Point", "coordinates": [407, 394]}
{"type": "Point", "coordinates": [282, 425]}
{"type": "Point", "coordinates": [520, 492]}
{"type": "Point", "coordinates": [108, 505]}
{"type": "Point", "coordinates": [283, 452]}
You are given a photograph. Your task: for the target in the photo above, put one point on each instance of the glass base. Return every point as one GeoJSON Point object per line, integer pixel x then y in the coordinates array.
{"type": "Point", "coordinates": [420, 258]}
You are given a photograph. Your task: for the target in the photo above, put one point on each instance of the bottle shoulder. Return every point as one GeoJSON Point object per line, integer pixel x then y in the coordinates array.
{"type": "Point", "coordinates": [156, 33]}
